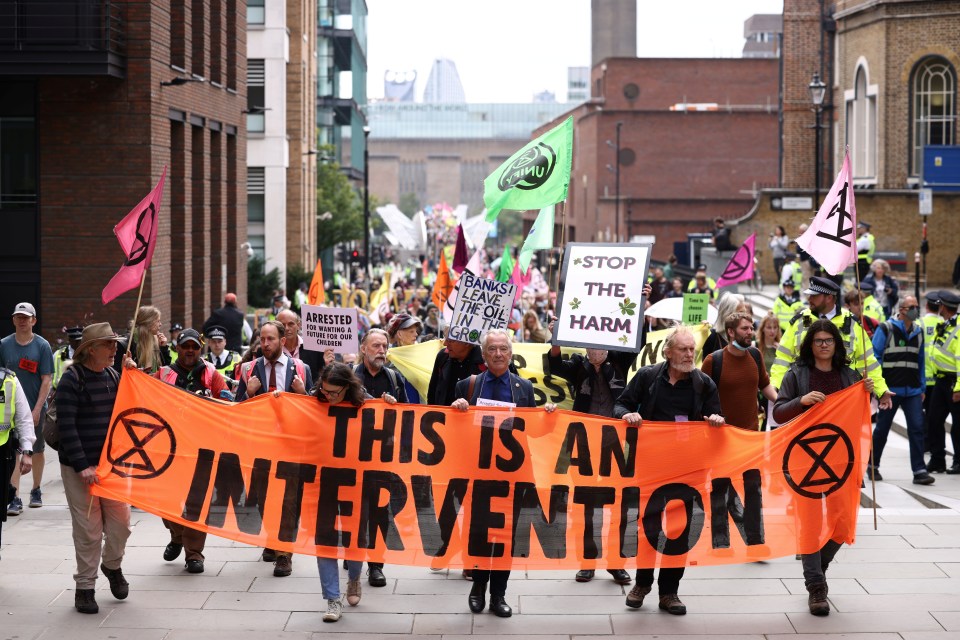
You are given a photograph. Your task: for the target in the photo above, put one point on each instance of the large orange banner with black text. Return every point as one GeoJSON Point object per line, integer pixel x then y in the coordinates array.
{"type": "Point", "coordinates": [491, 487]}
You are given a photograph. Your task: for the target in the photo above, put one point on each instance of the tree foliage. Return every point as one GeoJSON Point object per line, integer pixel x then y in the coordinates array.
{"type": "Point", "coordinates": [261, 283]}
{"type": "Point", "coordinates": [336, 195]}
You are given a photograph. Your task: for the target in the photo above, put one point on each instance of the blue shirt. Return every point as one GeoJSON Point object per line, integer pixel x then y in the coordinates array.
{"type": "Point", "coordinates": [30, 362]}
{"type": "Point", "coordinates": [880, 343]}
{"type": "Point", "coordinates": [497, 388]}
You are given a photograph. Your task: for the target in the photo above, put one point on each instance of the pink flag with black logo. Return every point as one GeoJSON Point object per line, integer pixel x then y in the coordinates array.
{"type": "Point", "coordinates": [831, 238]}
{"type": "Point", "coordinates": [740, 267]}
{"type": "Point", "coordinates": [137, 234]}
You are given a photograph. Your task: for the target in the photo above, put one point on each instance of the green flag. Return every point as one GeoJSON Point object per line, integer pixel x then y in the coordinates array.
{"type": "Point", "coordinates": [540, 237]}
{"type": "Point", "coordinates": [506, 265]}
{"type": "Point", "coordinates": [535, 176]}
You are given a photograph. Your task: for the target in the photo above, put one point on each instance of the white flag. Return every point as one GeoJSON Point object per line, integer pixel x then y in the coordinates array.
{"type": "Point", "coordinates": [831, 238]}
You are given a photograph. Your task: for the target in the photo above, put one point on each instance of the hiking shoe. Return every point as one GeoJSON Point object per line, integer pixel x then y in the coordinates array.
{"type": "Point", "coordinates": [584, 575]}
{"type": "Point", "coordinates": [923, 478]}
{"type": "Point", "coordinates": [194, 566]}
{"type": "Point", "coordinates": [636, 596]}
{"type": "Point", "coordinates": [36, 499]}
{"type": "Point", "coordinates": [172, 551]}
{"type": "Point", "coordinates": [15, 507]}
{"type": "Point", "coordinates": [375, 577]}
{"type": "Point", "coordinates": [353, 592]}
{"type": "Point", "coordinates": [334, 611]}
{"type": "Point", "coordinates": [817, 601]}
{"type": "Point", "coordinates": [85, 602]}
{"type": "Point", "coordinates": [269, 555]}
{"type": "Point", "coordinates": [118, 584]}
{"type": "Point", "coordinates": [874, 472]}
{"type": "Point", "coordinates": [672, 605]}
{"type": "Point", "coordinates": [283, 567]}
{"type": "Point", "coordinates": [620, 576]}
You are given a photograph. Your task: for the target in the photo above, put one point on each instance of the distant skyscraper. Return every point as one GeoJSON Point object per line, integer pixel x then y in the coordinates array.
{"type": "Point", "coordinates": [399, 86]}
{"type": "Point", "coordinates": [578, 84]}
{"type": "Point", "coordinates": [762, 34]}
{"type": "Point", "coordinates": [613, 30]}
{"type": "Point", "coordinates": [545, 96]}
{"type": "Point", "coordinates": [443, 85]}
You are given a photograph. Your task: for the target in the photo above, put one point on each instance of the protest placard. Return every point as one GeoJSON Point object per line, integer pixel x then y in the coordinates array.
{"type": "Point", "coordinates": [695, 307]}
{"type": "Point", "coordinates": [482, 304]}
{"type": "Point", "coordinates": [601, 296]}
{"type": "Point", "coordinates": [329, 328]}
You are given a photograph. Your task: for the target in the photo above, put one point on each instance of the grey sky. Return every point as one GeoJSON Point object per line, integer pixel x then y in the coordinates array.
{"type": "Point", "coordinates": [507, 50]}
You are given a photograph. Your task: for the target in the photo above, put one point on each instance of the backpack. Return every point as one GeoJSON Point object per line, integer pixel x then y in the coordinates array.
{"type": "Point", "coordinates": [394, 388]}
{"type": "Point", "coordinates": [718, 363]}
{"type": "Point", "coordinates": [51, 431]}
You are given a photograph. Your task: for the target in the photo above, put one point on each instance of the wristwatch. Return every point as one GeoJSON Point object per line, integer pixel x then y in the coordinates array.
{"type": "Point", "coordinates": [27, 452]}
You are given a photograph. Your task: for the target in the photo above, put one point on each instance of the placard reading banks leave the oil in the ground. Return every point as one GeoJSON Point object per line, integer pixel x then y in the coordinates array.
{"type": "Point", "coordinates": [601, 296]}
{"type": "Point", "coordinates": [482, 304]}
{"type": "Point", "coordinates": [329, 328]}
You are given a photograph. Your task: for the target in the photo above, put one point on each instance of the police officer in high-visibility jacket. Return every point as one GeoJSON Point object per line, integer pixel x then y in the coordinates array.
{"type": "Point", "coordinates": [946, 390]}
{"type": "Point", "coordinates": [930, 321]}
{"type": "Point", "coordinates": [822, 304]}
{"type": "Point", "coordinates": [866, 246]}
{"type": "Point", "coordinates": [15, 413]}
{"type": "Point", "coordinates": [787, 304]}
{"type": "Point", "coordinates": [63, 357]}
{"type": "Point", "coordinates": [222, 359]}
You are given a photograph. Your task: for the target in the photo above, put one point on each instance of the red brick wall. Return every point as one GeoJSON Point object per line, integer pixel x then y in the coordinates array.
{"type": "Point", "coordinates": [103, 145]}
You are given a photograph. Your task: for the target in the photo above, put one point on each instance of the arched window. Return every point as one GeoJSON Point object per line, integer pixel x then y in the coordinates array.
{"type": "Point", "coordinates": [933, 108]}
{"type": "Point", "coordinates": [862, 126]}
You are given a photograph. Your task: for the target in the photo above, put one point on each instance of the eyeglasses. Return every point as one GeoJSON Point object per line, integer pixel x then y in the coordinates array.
{"type": "Point", "coordinates": [332, 392]}
{"type": "Point", "coordinates": [193, 346]}
{"type": "Point", "coordinates": [823, 342]}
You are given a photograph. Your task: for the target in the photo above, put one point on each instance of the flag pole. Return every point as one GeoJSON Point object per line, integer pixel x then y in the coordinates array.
{"type": "Point", "coordinates": [873, 469]}
{"type": "Point", "coordinates": [563, 242]}
{"type": "Point", "coordinates": [136, 309]}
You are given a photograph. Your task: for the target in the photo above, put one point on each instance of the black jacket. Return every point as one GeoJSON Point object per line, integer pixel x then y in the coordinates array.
{"type": "Point", "coordinates": [447, 372]}
{"type": "Point", "coordinates": [580, 374]}
{"type": "Point", "coordinates": [231, 319]}
{"type": "Point", "coordinates": [641, 394]}
{"type": "Point", "coordinates": [796, 384]}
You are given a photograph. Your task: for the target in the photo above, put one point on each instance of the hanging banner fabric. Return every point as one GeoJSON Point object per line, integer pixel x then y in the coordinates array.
{"type": "Point", "coordinates": [491, 487]}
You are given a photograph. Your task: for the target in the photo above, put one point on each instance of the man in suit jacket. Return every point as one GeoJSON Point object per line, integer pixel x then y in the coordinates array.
{"type": "Point", "coordinates": [274, 372]}
{"type": "Point", "coordinates": [498, 384]}
{"type": "Point", "coordinates": [293, 344]}
{"type": "Point", "coordinates": [231, 319]}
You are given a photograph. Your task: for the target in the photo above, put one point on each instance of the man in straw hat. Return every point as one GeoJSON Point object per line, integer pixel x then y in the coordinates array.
{"type": "Point", "coordinates": [85, 399]}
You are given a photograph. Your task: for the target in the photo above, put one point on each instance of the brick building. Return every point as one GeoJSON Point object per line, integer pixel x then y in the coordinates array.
{"type": "Point", "coordinates": [698, 139]}
{"type": "Point", "coordinates": [890, 69]}
{"type": "Point", "coordinates": [96, 98]}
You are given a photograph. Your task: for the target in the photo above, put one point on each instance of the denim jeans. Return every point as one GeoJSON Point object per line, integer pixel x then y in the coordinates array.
{"type": "Point", "coordinates": [329, 569]}
{"type": "Point", "coordinates": [913, 411]}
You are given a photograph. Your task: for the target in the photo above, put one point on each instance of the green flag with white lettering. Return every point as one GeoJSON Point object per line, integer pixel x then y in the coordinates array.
{"type": "Point", "coordinates": [534, 177]}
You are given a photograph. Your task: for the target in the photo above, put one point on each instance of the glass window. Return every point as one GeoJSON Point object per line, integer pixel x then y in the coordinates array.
{"type": "Point", "coordinates": [256, 14]}
{"type": "Point", "coordinates": [862, 128]}
{"type": "Point", "coordinates": [933, 108]}
{"type": "Point", "coordinates": [256, 200]}
{"type": "Point", "coordinates": [256, 95]}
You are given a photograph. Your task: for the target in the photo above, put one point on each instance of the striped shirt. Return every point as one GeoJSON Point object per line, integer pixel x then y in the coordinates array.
{"type": "Point", "coordinates": [83, 417]}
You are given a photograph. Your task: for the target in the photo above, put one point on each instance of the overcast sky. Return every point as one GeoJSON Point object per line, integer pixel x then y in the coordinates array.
{"type": "Point", "coordinates": [507, 50]}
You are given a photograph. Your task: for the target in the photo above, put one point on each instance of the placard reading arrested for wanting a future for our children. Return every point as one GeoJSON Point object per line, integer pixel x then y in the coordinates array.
{"type": "Point", "coordinates": [601, 296]}
{"type": "Point", "coordinates": [482, 304]}
{"type": "Point", "coordinates": [329, 328]}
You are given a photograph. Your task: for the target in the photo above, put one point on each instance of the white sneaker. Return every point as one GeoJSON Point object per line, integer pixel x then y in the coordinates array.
{"type": "Point", "coordinates": [334, 610]}
{"type": "Point", "coordinates": [353, 592]}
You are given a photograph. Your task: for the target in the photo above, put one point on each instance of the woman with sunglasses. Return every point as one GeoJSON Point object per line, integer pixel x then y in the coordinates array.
{"type": "Point", "coordinates": [821, 368]}
{"type": "Point", "coordinates": [338, 384]}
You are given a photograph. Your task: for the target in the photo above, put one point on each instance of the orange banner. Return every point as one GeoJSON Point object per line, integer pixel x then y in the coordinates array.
{"type": "Point", "coordinates": [492, 487]}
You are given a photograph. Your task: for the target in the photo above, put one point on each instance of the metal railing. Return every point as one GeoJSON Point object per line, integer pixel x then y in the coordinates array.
{"type": "Point", "coordinates": [78, 25]}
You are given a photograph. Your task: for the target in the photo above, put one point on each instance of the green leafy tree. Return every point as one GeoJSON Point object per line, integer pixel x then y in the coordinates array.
{"type": "Point", "coordinates": [336, 196]}
{"type": "Point", "coordinates": [409, 204]}
{"type": "Point", "coordinates": [261, 283]}
{"type": "Point", "coordinates": [295, 275]}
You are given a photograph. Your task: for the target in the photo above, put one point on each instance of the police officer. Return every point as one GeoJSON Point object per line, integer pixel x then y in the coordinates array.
{"type": "Point", "coordinates": [946, 390]}
{"type": "Point", "coordinates": [15, 413]}
{"type": "Point", "coordinates": [871, 308]}
{"type": "Point", "coordinates": [63, 356]}
{"type": "Point", "coordinates": [866, 245]}
{"type": "Point", "coordinates": [930, 321]}
{"type": "Point", "coordinates": [822, 304]}
{"type": "Point", "coordinates": [222, 359]}
{"type": "Point", "coordinates": [175, 329]}
{"type": "Point", "coordinates": [787, 304]}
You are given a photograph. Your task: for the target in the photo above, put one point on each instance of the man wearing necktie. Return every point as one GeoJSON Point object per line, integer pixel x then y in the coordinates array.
{"type": "Point", "coordinates": [499, 385]}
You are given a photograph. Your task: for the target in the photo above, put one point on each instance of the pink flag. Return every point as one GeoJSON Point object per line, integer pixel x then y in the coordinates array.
{"type": "Point", "coordinates": [137, 234]}
{"type": "Point", "coordinates": [740, 267]}
{"type": "Point", "coordinates": [519, 279]}
{"type": "Point", "coordinates": [474, 268]}
{"type": "Point", "coordinates": [830, 239]}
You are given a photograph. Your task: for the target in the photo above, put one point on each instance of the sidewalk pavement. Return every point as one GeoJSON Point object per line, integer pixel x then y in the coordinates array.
{"type": "Point", "coordinates": [900, 582]}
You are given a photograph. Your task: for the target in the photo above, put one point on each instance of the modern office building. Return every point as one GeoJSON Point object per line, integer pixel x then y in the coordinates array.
{"type": "Point", "coordinates": [443, 84]}
{"type": "Point", "coordinates": [762, 33]}
{"type": "Point", "coordinates": [96, 100]}
{"type": "Point", "coordinates": [281, 144]}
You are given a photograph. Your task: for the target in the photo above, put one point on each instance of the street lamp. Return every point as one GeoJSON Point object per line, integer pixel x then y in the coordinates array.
{"type": "Point", "coordinates": [616, 171]}
{"type": "Point", "coordinates": [817, 90]}
{"type": "Point", "coordinates": [366, 206]}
